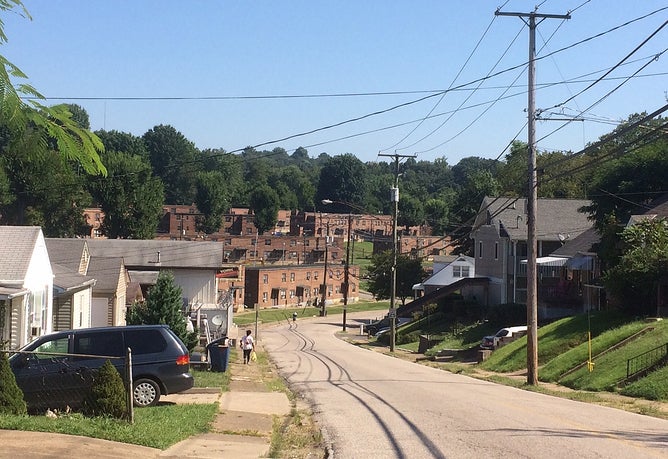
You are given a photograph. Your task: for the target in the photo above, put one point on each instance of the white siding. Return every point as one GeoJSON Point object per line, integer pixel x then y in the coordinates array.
{"type": "Point", "coordinates": [197, 286]}
{"type": "Point", "coordinates": [39, 280]}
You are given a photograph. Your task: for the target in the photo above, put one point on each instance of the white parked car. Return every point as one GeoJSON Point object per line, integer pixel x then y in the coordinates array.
{"type": "Point", "coordinates": [493, 341]}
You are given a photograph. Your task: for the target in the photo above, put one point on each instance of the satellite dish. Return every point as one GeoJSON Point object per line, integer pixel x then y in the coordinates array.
{"type": "Point", "coordinates": [217, 320]}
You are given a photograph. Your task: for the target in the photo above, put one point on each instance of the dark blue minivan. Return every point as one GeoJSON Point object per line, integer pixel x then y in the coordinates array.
{"type": "Point", "coordinates": [56, 370]}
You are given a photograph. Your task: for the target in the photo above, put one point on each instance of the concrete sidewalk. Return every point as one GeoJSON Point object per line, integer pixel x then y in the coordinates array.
{"type": "Point", "coordinates": [242, 427]}
{"type": "Point", "coordinates": [244, 424]}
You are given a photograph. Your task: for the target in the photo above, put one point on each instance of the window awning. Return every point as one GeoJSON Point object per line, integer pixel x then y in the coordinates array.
{"type": "Point", "coordinates": [549, 261]}
{"type": "Point", "coordinates": [7, 293]}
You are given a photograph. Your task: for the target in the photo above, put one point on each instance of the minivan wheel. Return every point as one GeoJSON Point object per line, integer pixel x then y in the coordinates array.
{"type": "Point", "coordinates": [146, 392]}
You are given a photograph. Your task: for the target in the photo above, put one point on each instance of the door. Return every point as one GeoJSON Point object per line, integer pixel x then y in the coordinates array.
{"type": "Point", "coordinates": [43, 375]}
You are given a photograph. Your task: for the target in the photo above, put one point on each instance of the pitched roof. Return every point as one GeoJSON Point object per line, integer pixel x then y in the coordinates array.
{"type": "Point", "coordinates": [67, 279]}
{"type": "Point", "coordinates": [159, 253]}
{"type": "Point", "coordinates": [17, 244]}
{"type": "Point", "coordinates": [555, 217]}
{"type": "Point", "coordinates": [107, 272]}
{"type": "Point", "coordinates": [66, 252]}
{"type": "Point", "coordinates": [583, 243]}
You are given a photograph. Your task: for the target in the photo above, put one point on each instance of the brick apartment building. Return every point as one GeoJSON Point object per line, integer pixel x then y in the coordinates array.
{"type": "Point", "coordinates": [298, 285]}
{"type": "Point", "coordinates": [285, 267]}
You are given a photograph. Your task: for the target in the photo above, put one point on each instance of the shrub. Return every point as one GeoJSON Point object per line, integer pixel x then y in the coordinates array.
{"type": "Point", "coordinates": [107, 394]}
{"type": "Point", "coordinates": [11, 396]}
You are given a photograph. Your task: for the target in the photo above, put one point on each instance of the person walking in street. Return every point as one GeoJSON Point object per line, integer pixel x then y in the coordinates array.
{"type": "Point", "coordinates": [248, 346]}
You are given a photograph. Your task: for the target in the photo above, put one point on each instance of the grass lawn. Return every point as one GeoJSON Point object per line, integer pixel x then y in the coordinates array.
{"type": "Point", "coordinates": [271, 315]}
{"type": "Point", "coordinates": [157, 427]}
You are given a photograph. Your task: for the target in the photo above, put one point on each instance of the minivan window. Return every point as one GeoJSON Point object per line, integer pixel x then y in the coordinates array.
{"type": "Point", "coordinates": [56, 345]}
{"type": "Point", "coordinates": [108, 343]}
{"type": "Point", "coordinates": [145, 341]}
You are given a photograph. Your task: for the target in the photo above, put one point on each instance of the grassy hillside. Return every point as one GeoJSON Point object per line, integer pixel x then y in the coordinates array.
{"type": "Point", "coordinates": [554, 340]}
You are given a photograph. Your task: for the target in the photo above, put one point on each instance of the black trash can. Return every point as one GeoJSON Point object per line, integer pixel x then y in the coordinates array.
{"type": "Point", "coordinates": [219, 355]}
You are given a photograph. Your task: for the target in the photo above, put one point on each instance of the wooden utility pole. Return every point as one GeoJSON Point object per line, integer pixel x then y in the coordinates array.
{"type": "Point", "coordinates": [323, 311]}
{"type": "Point", "coordinates": [532, 198]}
{"type": "Point", "coordinates": [394, 197]}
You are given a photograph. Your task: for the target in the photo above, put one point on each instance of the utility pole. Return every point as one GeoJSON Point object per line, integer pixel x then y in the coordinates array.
{"type": "Point", "coordinates": [346, 273]}
{"type": "Point", "coordinates": [532, 197]}
{"type": "Point", "coordinates": [394, 197]}
{"type": "Point", "coordinates": [323, 311]}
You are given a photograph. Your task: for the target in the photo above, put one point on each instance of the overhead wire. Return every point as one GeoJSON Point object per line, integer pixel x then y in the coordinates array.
{"type": "Point", "coordinates": [461, 69]}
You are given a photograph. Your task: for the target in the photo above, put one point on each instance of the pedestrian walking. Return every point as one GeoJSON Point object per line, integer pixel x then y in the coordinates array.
{"type": "Point", "coordinates": [248, 346]}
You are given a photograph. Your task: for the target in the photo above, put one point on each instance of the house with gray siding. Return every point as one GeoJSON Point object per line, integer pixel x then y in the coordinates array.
{"type": "Point", "coordinates": [500, 245]}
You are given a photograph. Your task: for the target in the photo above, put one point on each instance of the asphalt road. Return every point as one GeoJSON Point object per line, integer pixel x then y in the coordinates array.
{"type": "Point", "coordinates": [375, 406]}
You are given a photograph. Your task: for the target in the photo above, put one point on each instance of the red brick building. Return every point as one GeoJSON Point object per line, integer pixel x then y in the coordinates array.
{"type": "Point", "coordinates": [298, 285]}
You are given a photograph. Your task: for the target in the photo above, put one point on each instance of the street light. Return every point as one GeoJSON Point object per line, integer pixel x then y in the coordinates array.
{"type": "Point", "coordinates": [346, 269]}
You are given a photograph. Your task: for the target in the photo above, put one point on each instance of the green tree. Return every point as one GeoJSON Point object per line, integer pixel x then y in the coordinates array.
{"type": "Point", "coordinates": [635, 280]}
{"type": "Point", "coordinates": [411, 212]}
{"type": "Point", "coordinates": [11, 396]}
{"type": "Point", "coordinates": [175, 160]}
{"type": "Point", "coordinates": [163, 306]}
{"type": "Point", "coordinates": [123, 142]}
{"type": "Point", "coordinates": [79, 116]}
{"type": "Point", "coordinates": [46, 191]}
{"type": "Point", "coordinates": [436, 215]}
{"type": "Point", "coordinates": [342, 178]}
{"type": "Point", "coordinates": [479, 183]}
{"type": "Point", "coordinates": [22, 113]}
{"type": "Point", "coordinates": [131, 197]}
{"type": "Point", "coordinates": [211, 200]}
{"type": "Point", "coordinates": [409, 273]}
{"type": "Point", "coordinates": [231, 168]}
{"type": "Point", "coordinates": [264, 202]}
{"type": "Point", "coordinates": [512, 173]}
{"type": "Point", "coordinates": [107, 394]}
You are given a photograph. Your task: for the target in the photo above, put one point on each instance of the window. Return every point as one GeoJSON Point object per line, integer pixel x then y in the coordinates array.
{"type": "Point", "coordinates": [308, 275]}
{"type": "Point", "coordinates": [108, 343]}
{"type": "Point", "coordinates": [292, 277]}
{"type": "Point", "coordinates": [496, 250]}
{"type": "Point", "coordinates": [315, 275]}
{"type": "Point", "coordinates": [292, 293]}
{"type": "Point", "coordinates": [460, 271]}
{"type": "Point", "coordinates": [480, 249]}
{"type": "Point", "coordinates": [267, 242]}
{"type": "Point", "coordinates": [145, 341]}
{"type": "Point", "coordinates": [283, 277]}
{"type": "Point", "coordinates": [264, 297]}
{"type": "Point", "coordinates": [293, 243]}
{"type": "Point", "coordinates": [265, 278]}
{"type": "Point", "coordinates": [57, 345]}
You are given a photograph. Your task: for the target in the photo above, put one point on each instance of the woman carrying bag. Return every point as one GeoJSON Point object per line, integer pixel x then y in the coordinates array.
{"type": "Point", "coordinates": [248, 346]}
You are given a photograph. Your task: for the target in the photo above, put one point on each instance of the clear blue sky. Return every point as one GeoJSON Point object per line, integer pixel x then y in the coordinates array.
{"type": "Point", "coordinates": [91, 52]}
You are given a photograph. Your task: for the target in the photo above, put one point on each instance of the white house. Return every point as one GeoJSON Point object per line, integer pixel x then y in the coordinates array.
{"type": "Point", "coordinates": [448, 269]}
{"type": "Point", "coordinates": [26, 285]}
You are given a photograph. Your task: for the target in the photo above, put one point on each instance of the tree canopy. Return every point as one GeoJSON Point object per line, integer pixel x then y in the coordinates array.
{"type": "Point", "coordinates": [24, 115]}
{"type": "Point", "coordinates": [409, 273]}
{"type": "Point", "coordinates": [635, 279]}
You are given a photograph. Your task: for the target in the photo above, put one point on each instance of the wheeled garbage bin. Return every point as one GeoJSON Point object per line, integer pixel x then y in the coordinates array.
{"type": "Point", "coordinates": [219, 355]}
